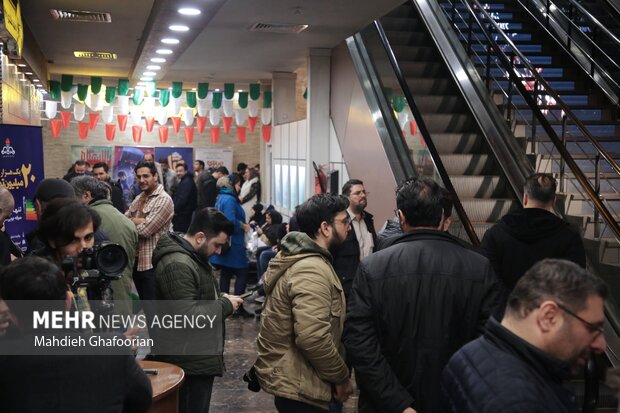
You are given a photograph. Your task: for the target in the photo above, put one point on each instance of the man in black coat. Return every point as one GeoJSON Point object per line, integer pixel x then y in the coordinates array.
{"type": "Point", "coordinates": [207, 188]}
{"type": "Point", "coordinates": [522, 238]}
{"type": "Point", "coordinates": [101, 172]}
{"type": "Point", "coordinates": [413, 305]}
{"type": "Point", "coordinates": [184, 199]}
{"type": "Point", "coordinates": [553, 322]}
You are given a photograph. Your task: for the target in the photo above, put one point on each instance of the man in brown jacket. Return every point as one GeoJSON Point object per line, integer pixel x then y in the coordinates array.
{"type": "Point", "coordinates": [299, 360]}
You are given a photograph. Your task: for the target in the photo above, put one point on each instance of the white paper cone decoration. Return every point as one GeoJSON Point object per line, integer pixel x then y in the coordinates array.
{"type": "Point", "coordinates": [188, 116]}
{"type": "Point", "coordinates": [228, 106]}
{"type": "Point", "coordinates": [253, 107]}
{"type": "Point", "coordinates": [175, 106]}
{"type": "Point", "coordinates": [265, 116]}
{"type": "Point", "coordinates": [241, 116]}
{"type": "Point", "coordinates": [65, 99]}
{"type": "Point", "coordinates": [95, 102]}
{"type": "Point", "coordinates": [135, 112]}
{"type": "Point", "coordinates": [162, 115]}
{"type": "Point", "coordinates": [51, 108]}
{"type": "Point", "coordinates": [148, 106]}
{"type": "Point", "coordinates": [214, 117]}
{"type": "Point", "coordinates": [203, 106]}
{"type": "Point", "coordinates": [107, 114]}
{"type": "Point", "coordinates": [79, 110]}
{"type": "Point", "coordinates": [403, 118]}
{"type": "Point", "coordinates": [123, 105]}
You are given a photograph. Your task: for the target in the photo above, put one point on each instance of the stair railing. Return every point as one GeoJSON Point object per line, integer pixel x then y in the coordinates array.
{"type": "Point", "coordinates": [538, 99]}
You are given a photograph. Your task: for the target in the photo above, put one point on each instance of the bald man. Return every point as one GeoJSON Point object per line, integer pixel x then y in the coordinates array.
{"type": "Point", "coordinates": [8, 250]}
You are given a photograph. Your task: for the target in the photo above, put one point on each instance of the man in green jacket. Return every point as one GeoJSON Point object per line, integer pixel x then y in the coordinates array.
{"type": "Point", "coordinates": [300, 359]}
{"type": "Point", "coordinates": [119, 230]}
{"type": "Point", "coordinates": [183, 273]}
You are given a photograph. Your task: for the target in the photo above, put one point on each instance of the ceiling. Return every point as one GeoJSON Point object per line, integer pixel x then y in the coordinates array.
{"type": "Point", "coordinates": [218, 48]}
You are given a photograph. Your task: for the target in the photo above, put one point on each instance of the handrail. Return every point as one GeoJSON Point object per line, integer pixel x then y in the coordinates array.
{"type": "Point", "coordinates": [518, 81]}
{"type": "Point", "coordinates": [595, 21]}
{"type": "Point", "coordinates": [443, 173]}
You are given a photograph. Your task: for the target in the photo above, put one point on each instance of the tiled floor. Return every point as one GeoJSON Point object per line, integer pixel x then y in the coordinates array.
{"type": "Point", "coordinates": [230, 393]}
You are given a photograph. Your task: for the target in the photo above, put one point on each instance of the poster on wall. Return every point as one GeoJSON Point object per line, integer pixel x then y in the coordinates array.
{"type": "Point", "coordinates": [215, 157]}
{"type": "Point", "coordinates": [92, 154]}
{"type": "Point", "coordinates": [125, 160]}
{"type": "Point", "coordinates": [21, 171]}
{"type": "Point", "coordinates": [175, 156]}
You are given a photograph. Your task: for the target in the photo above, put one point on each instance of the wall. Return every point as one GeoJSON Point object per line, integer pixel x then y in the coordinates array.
{"type": "Point", "coordinates": [20, 100]}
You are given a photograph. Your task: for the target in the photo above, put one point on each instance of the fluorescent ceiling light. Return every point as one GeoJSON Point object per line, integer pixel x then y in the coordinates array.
{"type": "Point", "coordinates": [21, 64]}
{"type": "Point", "coordinates": [141, 83]}
{"type": "Point", "coordinates": [149, 73]}
{"type": "Point", "coordinates": [216, 90]}
{"type": "Point", "coordinates": [193, 89]}
{"type": "Point", "coordinates": [163, 51]}
{"type": "Point", "coordinates": [179, 28]}
{"type": "Point", "coordinates": [23, 80]}
{"type": "Point", "coordinates": [189, 11]}
{"type": "Point", "coordinates": [28, 73]}
{"type": "Point", "coordinates": [146, 79]}
{"type": "Point", "coordinates": [153, 67]}
{"type": "Point", "coordinates": [36, 80]}
{"type": "Point", "coordinates": [158, 60]}
{"type": "Point", "coordinates": [170, 40]}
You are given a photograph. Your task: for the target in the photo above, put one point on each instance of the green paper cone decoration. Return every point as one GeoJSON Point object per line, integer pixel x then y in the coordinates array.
{"type": "Point", "coordinates": [243, 100]}
{"type": "Point", "coordinates": [82, 92]}
{"type": "Point", "coordinates": [306, 94]}
{"type": "Point", "coordinates": [190, 97]}
{"type": "Point", "coordinates": [217, 100]}
{"type": "Point", "coordinates": [388, 93]}
{"type": "Point", "coordinates": [229, 90]}
{"type": "Point", "coordinates": [267, 100]}
{"type": "Point", "coordinates": [110, 94]}
{"type": "Point", "coordinates": [254, 91]}
{"type": "Point", "coordinates": [164, 97]}
{"type": "Point", "coordinates": [203, 90]}
{"type": "Point", "coordinates": [95, 84]}
{"type": "Point", "coordinates": [151, 88]}
{"type": "Point", "coordinates": [398, 102]}
{"type": "Point", "coordinates": [66, 83]}
{"type": "Point", "coordinates": [138, 96]}
{"type": "Point", "coordinates": [177, 89]}
{"type": "Point", "coordinates": [123, 87]}
{"type": "Point", "coordinates": [55, 89]}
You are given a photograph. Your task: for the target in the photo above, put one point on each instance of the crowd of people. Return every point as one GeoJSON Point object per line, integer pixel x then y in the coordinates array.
{"type": "Point", "coordinates": [426, 322]}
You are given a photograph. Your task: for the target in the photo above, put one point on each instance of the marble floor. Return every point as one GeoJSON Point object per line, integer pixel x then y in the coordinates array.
{"type": "Point", "coordinates": [230, 393]}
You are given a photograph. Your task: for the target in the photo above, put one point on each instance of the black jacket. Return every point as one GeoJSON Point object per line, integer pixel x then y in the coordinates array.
{"type": "Point", "coordinates": [207, 191]}
{"type": "Point", "coordinates": [347, 255]}
{"type": "Point", "coordinates": [412, 306]}
{"type": "Point", "coordinates": [117, 196]}
{"type": "Point", "coordinates": [184, 200]}
{"type": "Point", "coordinates": [522, 238]}
{"type": "Point", "coordinates": [501, 372]}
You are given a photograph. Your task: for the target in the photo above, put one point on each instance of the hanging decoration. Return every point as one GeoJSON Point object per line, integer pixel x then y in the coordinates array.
{"type": "Point", "coordinates": [136, 132]}
{"type": "Point", "coordinates": [83, 130]}
{"type": "Point", "coordinates": [252, 122]}
{"type": "Point", "coordinates": [188, 131]}
{"type": "Point", "coordinates": [148, 106]}
{"type": "Point", "coordinates": [228, 107]}
{"type": "Point", "coordinates": [79, 111]}
{"type": "Point", "coordinates": [65, 117]}
{"type": "Point", "coordinates": [253, 108]}
{"type": "Point", "coordinates": [123, 87]}
{"type": "Point", "coordinates": [215, 134]}
{"type": "Point", "coordinates": [266, 132]}
{"type": "Point", "coordinates": [107, 114]}
{"type": "Point", "coordinates": [51, 109]}
{"type": "Point", "coordinates": [254, 91]}
{"type": "Point", "coordinates": [55, 125]}
{"type": "Point", "coordinates": [203, 106]}
{"type": "Point", "coordinates": [164, 97]}
{"type": "Point", "coordinates": [135, 112]}
{"type": "Point", "coordinates": [216, 103]}
{"type": "Point", "coordinates": [229, 91]}
{"type": "Point", "coordinates": [413, 127]}
{"type": "Point", "coordinates": [93, 119]}
{"type": "Point", "coordinates": [243, 100]}
{"type": "Point", "coordinates": [95, 84]}
{"type": "Point", "coordinates": [176, 123]}
{"type": "Point", "coordinates": [55, 89]}
{"type": "Point", "coordinates": [241, 133]}
{"type": "Point", "coordinates": [227, 123]}
{"type": "Point", "coordinates": [190, 99]}
{"type": "Point", "coordinates": [122, 122]}
{"type": "Point", "coordinates": [66, 98]}
{"type": "Point", "coordinates": [163, 134]}
{"type": "Point", "coordinates": [177, 89]}
{"type": "Point", "coordinates": [149, 121]}
{"type": "Point", "coordinates": [305, 95]}
{"type": "Point", "coordinates": [123, 105]}
{"type": "Point", "coordinates": [66, 83]}
{"type": "Point", "coordinates": [267, 100]}
{"type": "Point", "coordinates": [82, 92]}
{"type": "Point", "coordinates": [150, 88]}
{"type": "Point", "coordinates": [214, 117]}
{"type": "Point", "coordinates": [188, 116]}
{"type": "Point", "coordinates": [175, 106]}
{"type": "Point", "coordinates": [203, 90]}
{"type": "Point", "coordinates": [241, 116]}
{"type": "Point", "coordinates": [110, 94]}
{"type": "Point", "coordinates": [201, 122]}
{"type": "Point", "coordinates": [110, 131]}
{"type": "Point", "coordinates": [265, 116]}
{"type": "Point", "coordinates": [162, 115]}
{"type": "Point", "coordinates": [138, 95]}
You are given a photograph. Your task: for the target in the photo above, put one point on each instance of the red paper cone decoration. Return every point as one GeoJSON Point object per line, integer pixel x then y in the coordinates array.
{"type": "Point", "coordinates": [189, 134]}
{"type": "Point", "coordinates": [83, 129]}
{"type": "Point", "coordinates": [110, 131]}
{"type": "Point", "coordinates": [215, 134]}
{"type": "Point", "coordinates": [163, 134]}
{"type": "Point", "coordinates": [241, 133]}
{"type": "Point", "coordinates": [227, 123]}
{"type": "Point", "coordinates": [55, 125]}
{"type": "Point", "coordinates": [266, 129]}
{"type": "Point", "coordinates": [150, 121]}
{"type": "Point", "coordinates": [93, 119]}
{"type": "Point", "coordinates": [412, 127]}
{"type": "Point", "coordinates": [176, 123]}
{"type": "Point", "coordinates": [66, 117]}
{"type": "Point", "coordinates": [122, 122]}
{"type": "Point", "coordinates": [201, 122]}
{"type": "Point", "coordinates": [137, 133]}
{"type": "Point", "coordinates": [252, 122]}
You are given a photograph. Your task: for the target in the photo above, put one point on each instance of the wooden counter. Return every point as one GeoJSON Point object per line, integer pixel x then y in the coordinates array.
{"type": "Point", "coordinates": [165, 384]}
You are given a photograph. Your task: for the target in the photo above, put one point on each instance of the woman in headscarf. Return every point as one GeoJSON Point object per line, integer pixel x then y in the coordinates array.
{"type": "Point", "coordinates": [250, 191]}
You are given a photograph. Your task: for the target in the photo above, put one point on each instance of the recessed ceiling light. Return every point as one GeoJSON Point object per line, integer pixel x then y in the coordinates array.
{"type": "Point", "coordinates": [189, 11]}
{"type": "Point", "coordinates": [146, 79]}
{"type": "Point", "coordinates": [170, 88]}
{"type": "Point", "coordinates": [193, 89]}
{"type": "Point", "coordinates": [158, 60]}
{"type": "Point", "coordinates": [240, 90]}
{"type": "Point", "coordinates": [170, 40]}
{"type": "Point", "coordinates": [39, 85]}
{"type": "Point", "coordinates": [36, 80]}
{"type": "Point", "coordinates": [149, 73]}
{"type": "Point", "coordinates": [28, 73]}
{"type": "Point", "coordinates": [23, 80]}
{"type": "Point", "coordinates": [163, 51]}
{"type": "Point", "coordinates": [141, 83]}
{"type": "Point", "coordinates": [178, 28]}
{"type": "Point", "coordinates": [21, 64]}
{"type": "Point", "coordinates": [216, 90]}
{"type": "Point", "coordinates": [153, 67]}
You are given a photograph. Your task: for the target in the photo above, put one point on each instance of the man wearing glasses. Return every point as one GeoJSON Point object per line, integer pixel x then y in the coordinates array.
{"type": "Point", "coordinates": [553, 324]}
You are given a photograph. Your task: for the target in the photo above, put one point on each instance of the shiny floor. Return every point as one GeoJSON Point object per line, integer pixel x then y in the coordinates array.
{"type": "Point", "coordinates": [230, 393]}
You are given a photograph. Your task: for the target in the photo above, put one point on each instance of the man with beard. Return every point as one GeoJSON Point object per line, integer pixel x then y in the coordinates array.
{"type": "Point", "coordinates": [554, 321]}
{"type": "Point", "coordinates": [299, 360]}
{"type": "Point", "coordinates": [101, 172]}
{"type": "Point", "coordinates": [184, 274]}
{"type": "Point", "coordinates": [362, 238]}
{"type": "Point", "coordinates": [184, 199]}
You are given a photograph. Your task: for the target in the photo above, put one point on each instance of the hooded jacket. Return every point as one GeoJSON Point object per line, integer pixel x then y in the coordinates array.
{"type": "Point", "coordinates": [522, 238]}
{"type": "Point", "coordinates": [181, 274]}
{"type": "Point", "coordinates": [235, 257]}
{"type": "Point", "coordinates": [301, 324]}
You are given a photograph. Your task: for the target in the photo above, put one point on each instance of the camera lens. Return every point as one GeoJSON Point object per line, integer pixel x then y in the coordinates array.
{"type": "Point", "coordinates": [111, 259]}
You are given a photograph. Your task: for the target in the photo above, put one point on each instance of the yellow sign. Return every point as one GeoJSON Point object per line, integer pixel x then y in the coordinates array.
{"type": "Point", "coordinates": [13, 22]}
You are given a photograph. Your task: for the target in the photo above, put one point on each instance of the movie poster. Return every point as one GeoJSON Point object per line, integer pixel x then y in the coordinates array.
{"type": "Point", "coordinates": [216, 157]}
{"type": "Point", "coordinates": [92, 154]}
{"type": "Point", "coordinates": [125, 160]}
{"type": "Point", "coordinates": [175, 156]}
{"type": "Point", "coordinates": [21, 171]}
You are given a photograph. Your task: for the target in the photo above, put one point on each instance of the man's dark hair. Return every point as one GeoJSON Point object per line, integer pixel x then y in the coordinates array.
{"type": "Point", "coordinates": [62, 217]}
{"type": "Point", "coordinates": [241, 166]}
{"type": "Point", "coordinates": [145, 164]}
{"type": "Point", "coordinates": [32, 278]}
{"type": "Point", "coordinates": [121, 173]}
{"type": "Point", "coordinates": [184, 166]}
{"type": "Point", "coordinates": [163, 160]}
{"type": "Point", "coordinates": [346, 188]}
{"type": "Point", "coordinates": [201, 163]}
{"type": "Point", "coordinates": [222, 169]}
{"type": "Point", "coordinates": [80, 162]}
{"type": "Point", "coordinates": [419, 199]}
{"type": "Point", "coordinates": [103, 165]}
{"type": "Point", "coordinates": [319, 208]}
{"type": "Point", "coordinates": [541, 187]}
{"type": "Point", "coordinates": [212, 222]}
{"type": "Point", "coordinates": [98, 189]}
{"type": "Point", "coordinates": [559, 280]}
{"type": "Point", "coordinates": [447, 203]}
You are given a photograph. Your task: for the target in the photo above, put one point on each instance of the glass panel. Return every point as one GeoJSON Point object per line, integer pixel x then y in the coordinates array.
{"type": "Point", "coordinates": [302, 184]}
{"type": "Point", "coordinates": [286, 190]}
{"type": "Point", "coordinates": [277, 184]}
{"type": "Point", "coordinates": [294, 186]}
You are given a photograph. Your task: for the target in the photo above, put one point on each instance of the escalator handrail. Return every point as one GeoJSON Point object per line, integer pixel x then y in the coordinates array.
{"type": "Point", "coordinates": [518, 81]}
{"type": "Point", "coordinates": [548, 90]}
{"type": "Point", "coordinates": [439, 166]}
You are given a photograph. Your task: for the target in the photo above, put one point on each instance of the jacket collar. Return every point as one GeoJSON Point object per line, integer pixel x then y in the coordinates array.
{"type": "Point", "coordinates": [427, 235]}
{"type": "Point", "coordinates": [183, 243]}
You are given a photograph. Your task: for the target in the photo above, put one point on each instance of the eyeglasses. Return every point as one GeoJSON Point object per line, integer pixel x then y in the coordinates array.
{"type": "Point", "coordinates": [592, 328]}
